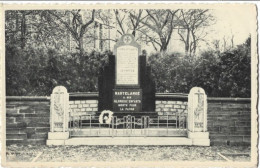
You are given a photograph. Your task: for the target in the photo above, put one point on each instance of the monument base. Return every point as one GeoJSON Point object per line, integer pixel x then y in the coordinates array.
{"type": "Point", "coordinates": [58, 135]}
{"type": "Point", "coordinates": [135, 141]}
{"type": "Point", "coordinates": [57, 138]}
{"type": "Point", "coordinates": [199, 138]}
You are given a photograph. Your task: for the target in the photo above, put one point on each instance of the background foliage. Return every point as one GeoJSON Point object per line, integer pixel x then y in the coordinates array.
{"type": "Point", "coordinates": [33, 72]}
{"type": "Point", "coordinates": [221, 74]}
{"type": "Point", "coordinates": [37, 72]}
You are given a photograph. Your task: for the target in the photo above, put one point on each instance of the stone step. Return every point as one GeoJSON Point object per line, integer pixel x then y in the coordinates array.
{"type": "Point", "coordinates": [108, 132]}
{"type": "Point", "coordinates": [144, 141]}
{"type": "Point", "coordinates": [124, 124]}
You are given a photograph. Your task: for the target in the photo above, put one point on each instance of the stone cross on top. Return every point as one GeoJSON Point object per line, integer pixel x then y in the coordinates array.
{"type": "Point", "coordinates": [199, 93]}
{"type": "Point", "coordinates": [127, 39]}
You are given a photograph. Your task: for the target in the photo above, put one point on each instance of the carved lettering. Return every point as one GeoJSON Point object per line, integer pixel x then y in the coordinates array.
{"type": "Point", "coordinates": [127, 65]}
{"type": "Point", "coordinates": [127, 100]}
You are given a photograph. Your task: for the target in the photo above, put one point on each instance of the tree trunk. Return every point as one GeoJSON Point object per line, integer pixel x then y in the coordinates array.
{"type": "Point", "coordinates": [23, 30]}
{"type": "Point", "coordinates": [164, 45]}
{"type": "Point", "coordinates": [81, 49]}
{"type": "Point", "coordinates": [193, 50]}
{"type": "Point", "coordinates": [187, 44]}
{"type": "Point", "coordinates": [133, 33]}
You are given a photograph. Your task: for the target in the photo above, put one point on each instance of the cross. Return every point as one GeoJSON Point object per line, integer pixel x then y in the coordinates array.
{"type": "Point", "coordinates": [199, 97]}
{"type": "Point", "coordinates": [127, 39]}
{"type": "Point", "coordinates": [199, 108]}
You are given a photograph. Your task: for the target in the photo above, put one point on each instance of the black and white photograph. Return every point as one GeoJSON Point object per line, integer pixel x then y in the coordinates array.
{"type": "Point", "coordinates": [106, 85]}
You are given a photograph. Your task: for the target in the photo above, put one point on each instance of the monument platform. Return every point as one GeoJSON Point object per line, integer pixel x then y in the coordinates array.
{"type": "Point", "coordinates": [144, 141]}
{"type": "Point", "coordinates": [149, 132]}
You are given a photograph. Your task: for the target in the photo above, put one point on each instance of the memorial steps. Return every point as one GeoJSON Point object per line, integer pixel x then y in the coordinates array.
{"type": "Point", "coordinates": [144, 141]}
{"type": "Point", "coordinates": [109, 132]}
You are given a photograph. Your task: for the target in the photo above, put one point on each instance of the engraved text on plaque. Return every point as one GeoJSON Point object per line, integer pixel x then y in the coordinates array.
{"type": "Point", "coordinates": [127, 65]}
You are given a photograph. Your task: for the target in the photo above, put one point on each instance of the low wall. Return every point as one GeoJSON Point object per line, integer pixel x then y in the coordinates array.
{"type": "Point", "coordinates": [27, 118]}
{"type": "Point", "coordinates": [83, 103]}
{"type": "Point", "coordinates": [83, 107]}
{"type": "Point", "coordinates": [229, 121]}
{"type": "Point", "coordinates": [169, 103]}
{"type": "Point", "coordinates": [166, 104]}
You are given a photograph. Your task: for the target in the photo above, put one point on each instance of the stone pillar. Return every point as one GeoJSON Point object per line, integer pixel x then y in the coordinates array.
{"type": "Point", "coordinates": [197, 117]}
{"type": "Point", "coordinates": [59, 116]}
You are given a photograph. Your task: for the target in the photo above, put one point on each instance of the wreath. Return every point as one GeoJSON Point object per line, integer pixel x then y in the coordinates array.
{"type": "Point", "coordinates": [105, 117]}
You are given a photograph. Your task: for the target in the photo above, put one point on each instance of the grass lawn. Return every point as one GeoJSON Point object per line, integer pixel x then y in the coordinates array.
{"type": "Point", "coordinates": [43, 153]}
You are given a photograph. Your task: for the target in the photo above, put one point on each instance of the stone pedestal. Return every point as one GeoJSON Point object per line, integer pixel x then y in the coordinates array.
{"type": "Point", "coordinates": [59, 116]}
{"type": "Point", "coordinates": [197, 117]}
{"type": "Point", "coordinates": [199, 138]}
{"type": "Point", "coordinates": [58, 135]}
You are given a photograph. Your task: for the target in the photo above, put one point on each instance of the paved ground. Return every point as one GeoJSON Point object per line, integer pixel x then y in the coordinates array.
{"type": "Point", "coordinates": [19, 153]}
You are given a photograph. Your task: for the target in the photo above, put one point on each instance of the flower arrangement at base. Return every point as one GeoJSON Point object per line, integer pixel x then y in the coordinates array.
{"type": "Point", "coordinates": [105, 117]}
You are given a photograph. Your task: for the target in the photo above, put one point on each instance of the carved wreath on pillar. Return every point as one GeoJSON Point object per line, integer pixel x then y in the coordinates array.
{"type": "Point", "coordinates": [105, 117]}
{"type": "Point", "coordinates": [57, 106]}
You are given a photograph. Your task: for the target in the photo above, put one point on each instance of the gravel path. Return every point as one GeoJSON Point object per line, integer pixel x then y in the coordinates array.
{"type": "Point", "coordinates": [28, 153]}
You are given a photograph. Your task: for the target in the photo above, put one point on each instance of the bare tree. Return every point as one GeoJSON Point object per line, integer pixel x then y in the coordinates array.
{"type": "Point", "coordinates": [120, 19]}
{"type": "Point", "coordinates": [129, 20]}
{"type": "Point", "coordinates": [77, 26]}
{"type": "Point", "coordinates": [191, 28]}
{"type": "Point", "coordinates": [161, 24]}
{"type": "Point", "coordinates": [232, 41]}
{"type": "Point", "coordinates": [216, 44]}
{"type": "Point", "coordinates": [224, 44]}
{"type": "Point", "coordinates": [136, 18]}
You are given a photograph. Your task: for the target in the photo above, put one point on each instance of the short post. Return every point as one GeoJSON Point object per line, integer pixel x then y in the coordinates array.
{"type": "Point", "coordinates": [59, 116]}
{"type": "Point", "coordinates": [197, 117]}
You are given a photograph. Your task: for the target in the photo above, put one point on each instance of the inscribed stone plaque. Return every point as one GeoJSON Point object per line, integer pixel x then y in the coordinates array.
{"type": "Point", "coordinates": [127, 65]}
{"type": "Point", "coordinates": [59, 109]}
{"type": "Point", "coordinates": [127, 53]}
{"type": "Point", "coordinates": [197, 114]}
{"type": "Point", "coordinates": [127, 100]}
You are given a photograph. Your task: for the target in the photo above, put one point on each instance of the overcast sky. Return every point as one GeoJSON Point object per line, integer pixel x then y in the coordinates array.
{"type": "Point", "coordinates": [234, 21]}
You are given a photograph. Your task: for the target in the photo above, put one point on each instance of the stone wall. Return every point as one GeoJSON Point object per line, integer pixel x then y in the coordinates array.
{"type": "Point", "coordinates": [27, 118]}
{"type": "Point", "coordinates": [229, 121]}
{"type": "Point", "coordinates": [83, 107]}
{"type": "Point", "coordinates": [175, 104]}
{"type": "Point", "coordinates": [83, 103]}
{"type": "Point", "coordinates": [171, 107]}
{"type": "Point", "coordinates": [90, 107]}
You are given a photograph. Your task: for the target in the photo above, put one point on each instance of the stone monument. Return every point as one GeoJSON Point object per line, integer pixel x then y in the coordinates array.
{"type": "Point", "coordinates": [125, 84]}
{"type": "Point", "coordinates": [59, 116]}
{"type": "Point", "coordinates": [197, 117]}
